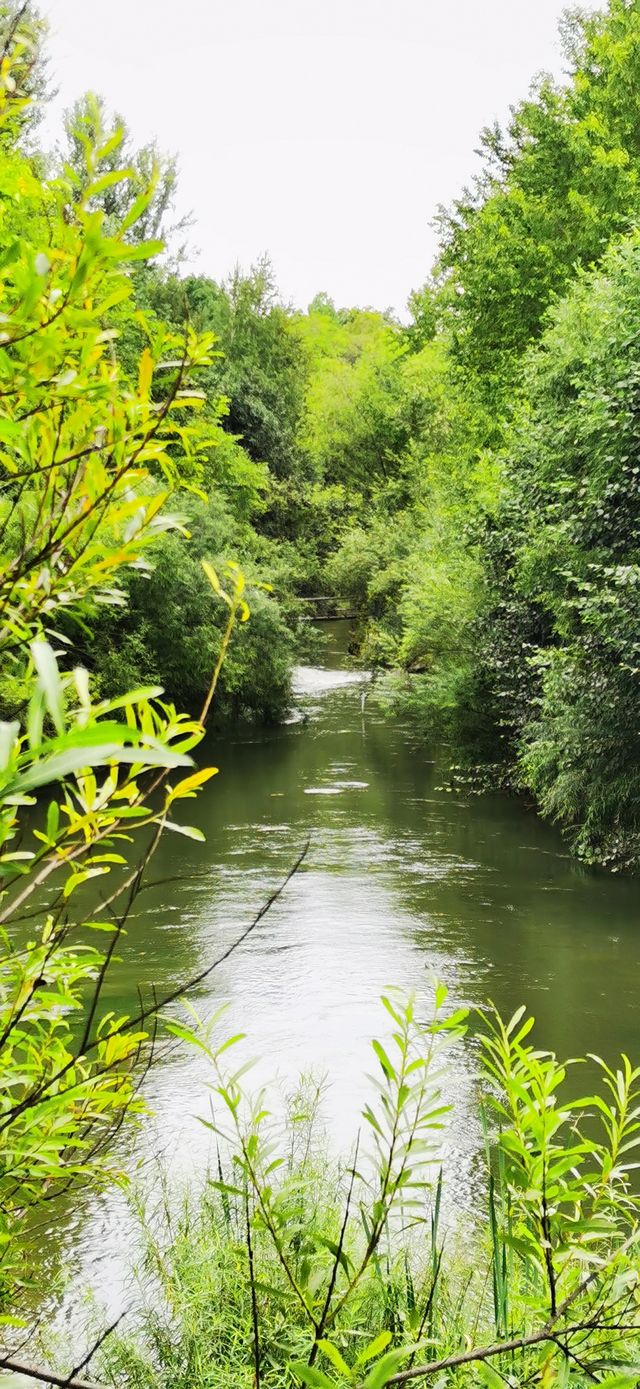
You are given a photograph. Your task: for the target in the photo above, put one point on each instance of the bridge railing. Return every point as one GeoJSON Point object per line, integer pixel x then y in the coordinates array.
{"type": "Point", "coordinates": [325, 607]}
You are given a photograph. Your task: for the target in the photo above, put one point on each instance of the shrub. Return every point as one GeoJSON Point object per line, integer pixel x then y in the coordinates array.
{"type": "Point", "coordinates": [290, 1268]}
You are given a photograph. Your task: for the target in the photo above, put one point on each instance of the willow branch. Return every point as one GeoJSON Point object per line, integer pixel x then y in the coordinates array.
{"type": "Point", "coordinates": [548, 1333]}
{"type": "Point", "coordinates": [153, 1009]}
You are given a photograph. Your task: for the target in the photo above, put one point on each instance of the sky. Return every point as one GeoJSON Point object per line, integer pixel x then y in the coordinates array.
{"type": "Point", "coordinates": [322, 132]}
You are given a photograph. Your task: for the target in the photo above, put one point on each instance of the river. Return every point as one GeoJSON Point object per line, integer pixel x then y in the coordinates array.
{"type": "Point", "coordinates": [402, 880]}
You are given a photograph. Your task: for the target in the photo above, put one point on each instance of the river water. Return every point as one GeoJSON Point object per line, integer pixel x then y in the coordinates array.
{"type": "Point", "coordinates": [402, 880]}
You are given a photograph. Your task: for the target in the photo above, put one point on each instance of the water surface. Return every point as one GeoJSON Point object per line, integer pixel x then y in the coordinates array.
{"type": "Point", "coordinates": [403, 880]}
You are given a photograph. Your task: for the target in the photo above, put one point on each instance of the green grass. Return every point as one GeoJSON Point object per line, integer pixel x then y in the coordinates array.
{"type": "Point", "coordinates": [289, 1267]}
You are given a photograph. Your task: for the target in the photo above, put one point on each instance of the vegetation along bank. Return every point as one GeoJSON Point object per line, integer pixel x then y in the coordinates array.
{"type": "Point", "coordinates": [186, 464]}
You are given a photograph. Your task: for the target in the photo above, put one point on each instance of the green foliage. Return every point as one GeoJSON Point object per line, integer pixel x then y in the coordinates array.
{"type": "Point", "coordinates": [22, 35]}
{"type": "Point", "coordinates": [354, 431]}
{"type": "Point", "coordinates": [143, 180]}
{"type": "Point", "coordinates": [413, 569]}
{"type": "Point", "coordinates": [564, 628]}
{"type": "Point", "coordinates": [298, 1257]}
{"type": "Point", "coordinates": [565, 1192]}
{"type": "Point", "coordinates": [249, 504]}
{"type": "Point", "coordinates": [170, 633]}
{"type": "Point", "coordinates": [89, 458]}
{"type": "Point", "coordinates": [294, 1268]}
{"type": "Point", "coordinates": [555, 188]}
{"type": "Point", "coordinates": [503, 583]}
{"type": "Point", "coordinates": [262, 367]}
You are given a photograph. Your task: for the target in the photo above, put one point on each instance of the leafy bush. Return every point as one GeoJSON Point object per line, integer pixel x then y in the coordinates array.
{"type": "Point", "coordinates": [292, 1269]}
{"type": "Point", "coordinates": [555, 188]}
{"type": "Point", "coordinates": [169, 632]}
{"type": "Point", "coordinates": [562, 636]}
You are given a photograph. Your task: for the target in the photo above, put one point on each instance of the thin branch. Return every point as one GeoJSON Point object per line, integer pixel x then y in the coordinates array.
{"type": "Point", "coordinates": [570, 1354]}
{"type": "Point", "coordinates": [337, 1260]}
{"type": "Point", "coordinates": [548, 1333]}
{"type": "Point", "coordinates": [72, 1377]}
{"type": "Point", "coordinates": [254, 1296]}
{"type": "Point", "coordinates": [45, 1376]}
{"type": "Point", "coordinates": [470, 1357]}
{"type": "Point", "coordinates": [151, 1010]}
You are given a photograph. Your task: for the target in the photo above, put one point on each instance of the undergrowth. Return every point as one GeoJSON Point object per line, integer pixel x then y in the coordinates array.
{"type": "Point", "coordinates": [291, 1267]}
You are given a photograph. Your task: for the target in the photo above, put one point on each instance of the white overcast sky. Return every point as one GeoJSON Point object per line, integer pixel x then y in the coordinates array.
{"type": "Point", "coordinates": [325, 132]}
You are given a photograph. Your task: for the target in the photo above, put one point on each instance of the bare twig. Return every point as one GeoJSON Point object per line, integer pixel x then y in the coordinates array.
{"type": "Point", "coordinates": [45, 1376]}
{"type": "Point", "coordinates": [152, 1009]}
{"type": "Point", "coordinates": [337, 1260]}
{"type": "Point", "coordinates": [254, 1296]}
{"type": "Point", "coordinates": [72, 1377]}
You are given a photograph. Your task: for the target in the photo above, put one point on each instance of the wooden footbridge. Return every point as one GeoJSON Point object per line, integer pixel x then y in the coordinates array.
{"type": "Point", "coordinates": [325, 607]}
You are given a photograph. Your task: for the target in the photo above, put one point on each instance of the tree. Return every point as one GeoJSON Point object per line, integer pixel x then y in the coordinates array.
{"type": "Point", "coordinates": [22, 35]}
{"type": "Point", "coordinates": [563, 628]}
{"type": "Point", "coordinates": [169, 633]}
{"type": "Point", "coordinates": [354, 432]}
{"type": "Point", "coordinates": [554, 189]}
{"type": "Point", "coordinates": [128, 176]}
{"type": "Point", "coordinates": [89, 461]}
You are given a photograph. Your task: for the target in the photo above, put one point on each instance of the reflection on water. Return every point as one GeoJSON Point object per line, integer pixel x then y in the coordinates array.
{"type": "Point", "coordinates": [402, 881]}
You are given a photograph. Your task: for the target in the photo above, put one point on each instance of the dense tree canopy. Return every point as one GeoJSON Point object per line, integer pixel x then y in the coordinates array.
{"type": "Point", "coordinates": [573, 521]}
{"type": "Point", "coordinates": [555, 187]}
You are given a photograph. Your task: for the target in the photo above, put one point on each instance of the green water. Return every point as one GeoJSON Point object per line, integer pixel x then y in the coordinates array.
{"type": "Point", "coordinates": [402, 880]}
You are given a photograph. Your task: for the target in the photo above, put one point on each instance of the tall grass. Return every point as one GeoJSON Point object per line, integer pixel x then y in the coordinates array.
{"type": "Point", "coordinates": [293, 1268]}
